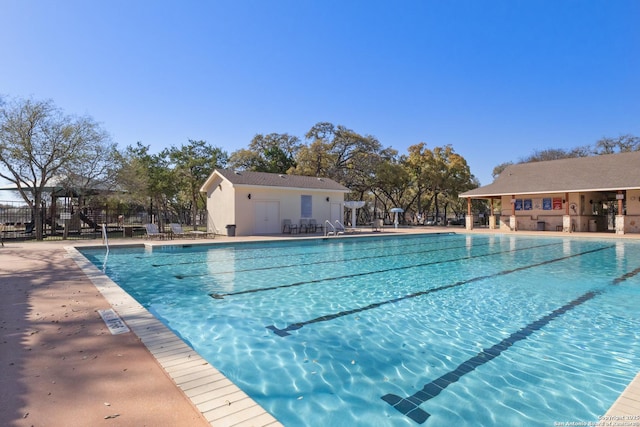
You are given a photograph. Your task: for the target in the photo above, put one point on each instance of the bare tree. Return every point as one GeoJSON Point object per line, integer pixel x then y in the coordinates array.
{"type": "Point", "coordinates": [39, 144]}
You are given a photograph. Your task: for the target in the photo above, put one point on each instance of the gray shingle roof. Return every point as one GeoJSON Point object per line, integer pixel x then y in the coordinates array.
{"type": "Point", "coordinates": [596, 173]}
{"type": "Point", "coordinates": [280, 180]}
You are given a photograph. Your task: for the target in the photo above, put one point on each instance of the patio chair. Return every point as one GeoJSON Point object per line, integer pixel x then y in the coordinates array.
{"type": "Point", "coordinates": [304, 225]}
{"type": "Point", "coordinates": [2, 235]}
{"type": "Point", "coordinates": [177, 231]}
{"type": "Point", "coordinates": [288, 227]}
{"type": "Point", "coordinates": [314, 226]}
{"type": "Point", "coordinates": [377, 224]}
{"type": "Point", "coordinates": [153, 232]}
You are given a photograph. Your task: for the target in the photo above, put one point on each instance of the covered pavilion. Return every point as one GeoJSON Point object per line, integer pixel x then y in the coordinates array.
{"type": "Point", "coordinates": [596, 194]}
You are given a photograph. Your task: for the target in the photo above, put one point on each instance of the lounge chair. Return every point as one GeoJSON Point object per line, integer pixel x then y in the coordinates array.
{"type": "Point", "coordinates": [314, 226]}
{"type": "Point", "coordinates": [288, 227]}
{"type": "Point", "coordinates": [153, 232]}
{"type": "Point", "coordinates": [176, 230]}
{"type": "Point", "coordinates": [304, 225]}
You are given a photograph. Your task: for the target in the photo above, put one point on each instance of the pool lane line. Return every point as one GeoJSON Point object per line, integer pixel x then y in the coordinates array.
{"type": "Point", "coordinates": [322, 251]}
{"type": "Point", "coordinates": [409, 405]}
{"type": "Point", "coordinates": [329, 261]}
{"type": "Point", "coordinates": [320, 243]}
{"type": "Point", "coordinates": [626, 276]}
{"type": "Point", "coordinates": [366, 273]}
{"type": "Point", "coordinates": [295, 326]}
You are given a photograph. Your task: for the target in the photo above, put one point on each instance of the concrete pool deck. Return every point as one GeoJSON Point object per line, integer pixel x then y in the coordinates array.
{"type": "Point", "coordinates": [60, 365]}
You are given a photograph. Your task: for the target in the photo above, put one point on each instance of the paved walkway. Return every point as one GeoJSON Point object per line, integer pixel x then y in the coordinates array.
{"type": "Point", "coordinates": [60, 366]}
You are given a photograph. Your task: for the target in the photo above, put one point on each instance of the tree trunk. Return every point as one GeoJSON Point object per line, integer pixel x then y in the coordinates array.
{"type": "Point", "coordinates": [37, 216]}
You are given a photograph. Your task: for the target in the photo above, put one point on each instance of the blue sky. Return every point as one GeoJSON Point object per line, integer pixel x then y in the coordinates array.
{"type": "Point", "coordinates": [495, 79]}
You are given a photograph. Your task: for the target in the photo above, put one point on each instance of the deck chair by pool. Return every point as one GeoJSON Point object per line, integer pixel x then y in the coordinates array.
{"type": "Point", "coordinates": [153, 232]}
{"type": "Point", "coordinates": [314, 226]}
{"type": "Point", "coordinates": [377, 224]}
{"type": "Point", "coordinates": [177, 231]}
{"type": "Point", "coordinates": [288, 227]}
{"type": "Point", "coordinates": [304, 225]}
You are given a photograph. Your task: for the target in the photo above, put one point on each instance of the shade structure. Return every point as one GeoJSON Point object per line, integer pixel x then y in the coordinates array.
{"type": "Point", "coordinates": [353, 205]}
{"type": "Point", "coordinates": [396, 211]}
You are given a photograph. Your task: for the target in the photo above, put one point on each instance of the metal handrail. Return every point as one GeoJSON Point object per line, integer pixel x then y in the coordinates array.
{"type": "Point", "coordinates": [326, 229]}
{"type": "Point", "coordinates": [105, 237]}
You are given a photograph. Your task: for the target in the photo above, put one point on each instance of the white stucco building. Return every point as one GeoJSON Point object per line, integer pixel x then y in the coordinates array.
{"type": "Point", "coordinates": [258, 203]}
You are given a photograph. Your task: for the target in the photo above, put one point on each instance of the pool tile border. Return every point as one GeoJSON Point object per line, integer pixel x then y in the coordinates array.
{"type": "Point", "coordinates": [221, 402]}
{"type": "Point", "coordinates": [627, 405]}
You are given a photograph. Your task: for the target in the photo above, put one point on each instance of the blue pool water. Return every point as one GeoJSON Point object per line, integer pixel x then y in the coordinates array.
{"type": "Point", "coordinates": [430, 330]}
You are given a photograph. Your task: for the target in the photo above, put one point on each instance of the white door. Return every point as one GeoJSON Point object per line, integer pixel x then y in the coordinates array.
{"type": "Point", "coordinates": [336, 213]}
{"type": "Point", "coordinates": [267, 215]}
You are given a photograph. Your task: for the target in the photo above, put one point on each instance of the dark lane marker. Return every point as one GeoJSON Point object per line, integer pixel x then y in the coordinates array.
{"type": "Point", "coordinates": [329, 261]}
{"type": "Point", "coordinates": [321, 250]}
{"type": "Point", "coordinates": [295, 326]}
{"type": "Point", "coordinates": [366, 273]}
{"type": "Point", "coordinates": [409, 405]}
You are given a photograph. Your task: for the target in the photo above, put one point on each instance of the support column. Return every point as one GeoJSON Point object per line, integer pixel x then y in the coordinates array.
{"type": "Point", "coordinates": [468, 223]}
{"type": "Point", "coordinates": [566, 219]}
{"type": "Point", "coordinates": [513, 223]}
{"type": "Point", "coordinates": [620, 216]}
{"type": "Point", "coordinates": [620, 224]}
{"type": "Point", "coordinates": [492, 217]}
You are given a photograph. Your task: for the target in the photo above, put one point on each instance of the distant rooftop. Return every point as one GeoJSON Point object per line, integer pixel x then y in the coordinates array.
{"type": "Point", "coordinates": [609, 172]}
{"type": "Point", "coordinates": [280, 180]}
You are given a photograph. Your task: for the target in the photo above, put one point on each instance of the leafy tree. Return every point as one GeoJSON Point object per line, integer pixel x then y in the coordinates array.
{"type": "Point", "coordinates": [416, 165]}
{"type": "Point", "coordinates": [39, 144]}
{"type": "Point", "coordinates": [147, 178]}
{"type": "Point", "coordinates": [192, 165]}
{"type": "Point", "coordinates": [499, 169]}
{"type": "Point", "coordinates": [440, 171]}
{"type": "Point", "coordinates": [393, 187]}
{"type": "Point", "coordinates": [273, 153]}
{"type": "Point", "coordinates": [342, 155]}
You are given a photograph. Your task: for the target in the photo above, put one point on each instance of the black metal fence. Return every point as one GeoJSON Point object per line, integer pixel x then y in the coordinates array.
{"type": "Point", "coordinates": [61, 222]}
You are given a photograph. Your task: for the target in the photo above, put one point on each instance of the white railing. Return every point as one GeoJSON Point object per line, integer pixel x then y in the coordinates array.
{"type": "Point", "coordinates": [328, 224]}
{"type": "Point", "coordinates": [105, 241]}
{"type": "Point", "coordinates": [335, 230]}
{"type": "Point", "coordinates": [105, 237]}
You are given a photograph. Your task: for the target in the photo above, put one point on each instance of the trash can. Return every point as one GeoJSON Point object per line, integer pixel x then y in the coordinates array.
{"type": "Point", "coordinates": [540, 225]}
{"type": "Point", "coordinates": [593, 225]}
{"type": "Point", "coordinates": [231, 230]}
{"type": "Point", "coordinates": [127, 231]}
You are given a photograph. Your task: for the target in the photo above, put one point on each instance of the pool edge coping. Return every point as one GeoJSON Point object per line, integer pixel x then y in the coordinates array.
{"type": "Point", "coordinates": [218, 399]}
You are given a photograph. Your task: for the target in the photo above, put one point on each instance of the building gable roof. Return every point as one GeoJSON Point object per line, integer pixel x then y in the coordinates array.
{"type": "Point", "coordinates": [609, 172]}
{"type": "Point", "coordinates": [265, 179]}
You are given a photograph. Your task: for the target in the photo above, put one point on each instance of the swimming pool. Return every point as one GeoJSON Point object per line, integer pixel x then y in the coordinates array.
{"type": "Point", "coordinates": [425, 329]}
